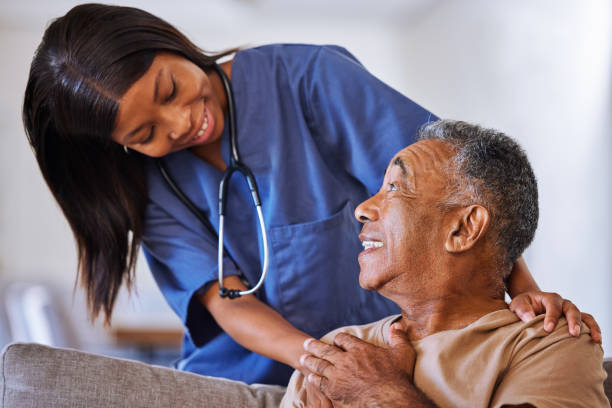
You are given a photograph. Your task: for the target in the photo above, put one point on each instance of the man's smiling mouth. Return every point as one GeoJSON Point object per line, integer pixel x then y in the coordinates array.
{"type": "Point", "coordinates": [371, 244]}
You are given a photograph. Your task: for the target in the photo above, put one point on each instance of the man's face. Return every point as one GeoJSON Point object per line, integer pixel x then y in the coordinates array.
{"type": "Point", "coordinates": [403, 231]}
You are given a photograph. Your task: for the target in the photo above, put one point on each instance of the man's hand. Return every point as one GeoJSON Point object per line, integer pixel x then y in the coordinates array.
{"type": "Point", "coordinates": [352, 372]}
{"type": "Point", "coordinates": [314, 397]}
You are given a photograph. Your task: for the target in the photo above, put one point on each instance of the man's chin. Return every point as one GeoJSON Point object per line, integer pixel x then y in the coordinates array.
{"type": "Point", "coordinates": [367, 283]}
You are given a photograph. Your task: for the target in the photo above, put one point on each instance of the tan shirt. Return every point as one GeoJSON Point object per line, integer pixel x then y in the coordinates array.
{"type": "Point", "coordinates": [495, 360]}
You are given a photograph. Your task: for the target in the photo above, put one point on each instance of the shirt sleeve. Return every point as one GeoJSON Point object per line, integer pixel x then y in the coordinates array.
{"type": "Point", "coordinates": [557, 371]}
{"type": "Point", "coordinates": [358, 117]}
{"type": "Point", "coordinates": [183, 262]}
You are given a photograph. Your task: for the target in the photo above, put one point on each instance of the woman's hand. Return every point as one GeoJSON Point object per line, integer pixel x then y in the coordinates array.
{"type": "Point", "coordinates": [528, 301]}
{"type": "Point", "coordinates": [255, 325]}
{"type": "Point", "coordinates": [529, 304]}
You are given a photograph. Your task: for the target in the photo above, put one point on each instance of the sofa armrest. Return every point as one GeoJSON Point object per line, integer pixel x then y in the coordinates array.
{"type": "Point", "coordinates": [608, 383]}
{"type": "Point", "coordinates": [33, 375]}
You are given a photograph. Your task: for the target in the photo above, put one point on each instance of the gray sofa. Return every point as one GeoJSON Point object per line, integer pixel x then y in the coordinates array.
{"type": "Point", "coordinates": [39, 376]}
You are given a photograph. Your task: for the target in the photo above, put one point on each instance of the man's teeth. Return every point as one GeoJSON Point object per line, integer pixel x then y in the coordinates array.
{"type": "Point", "coordinates": [203, 128]}
{"type": "Point", "coordinates": [371, 244]}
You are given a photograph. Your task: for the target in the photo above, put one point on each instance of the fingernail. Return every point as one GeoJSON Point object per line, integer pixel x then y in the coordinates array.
{"type": "Point", "coordinates": [576, 329]}
{"type": "Point", "coordinates": [530, 316]}
{"type": "Point", "coordinates": [307, 342]}
{"type": "Point", "coordinates": [311, 378]}
{"type": "Point", "coordinates": [303, 359]}
{"type": "Point", "coordinates": [549, 326]}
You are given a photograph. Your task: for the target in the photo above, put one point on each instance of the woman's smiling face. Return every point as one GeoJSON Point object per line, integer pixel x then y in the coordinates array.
{"type": "Point", "coordinates": [173, 106]}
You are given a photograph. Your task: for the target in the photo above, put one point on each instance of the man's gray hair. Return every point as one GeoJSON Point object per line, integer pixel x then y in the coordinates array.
{"type": "Point", "coordinates": [492, 170]}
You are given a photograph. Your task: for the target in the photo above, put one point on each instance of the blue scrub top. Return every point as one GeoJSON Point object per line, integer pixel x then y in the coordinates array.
{"type": "Point", "coordinates": [317, 130]}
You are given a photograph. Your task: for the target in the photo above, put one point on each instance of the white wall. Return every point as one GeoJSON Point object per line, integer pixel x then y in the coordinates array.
{"type": "Point", "coordinates": [538, 70]}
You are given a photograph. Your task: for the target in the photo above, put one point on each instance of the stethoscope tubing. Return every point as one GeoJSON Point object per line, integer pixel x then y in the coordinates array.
{"type": "Point", "coordinates": [235, 165]}
{"type": "Point", "coordinates": [231, 293]}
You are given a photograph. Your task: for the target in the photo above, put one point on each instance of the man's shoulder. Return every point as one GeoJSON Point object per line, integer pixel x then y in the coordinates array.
{"type": "Point", "coordinates": [528, 337]}
{"type": "Point", "coordinates": [531, 339]}
{"type": "Point", "coordinates": [551, 369]}
{"type": "Point", "coordinates": [374, 333]}
{"type": "Point", "coordinates": [511, 362]}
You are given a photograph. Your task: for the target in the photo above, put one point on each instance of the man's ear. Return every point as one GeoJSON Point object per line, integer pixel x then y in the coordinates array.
{"type": "Point", "coordinates": [468, 225]}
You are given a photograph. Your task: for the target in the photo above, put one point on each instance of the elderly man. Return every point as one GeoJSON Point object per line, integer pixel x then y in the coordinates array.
{"type": "Point", "coordinates": [455, 210]}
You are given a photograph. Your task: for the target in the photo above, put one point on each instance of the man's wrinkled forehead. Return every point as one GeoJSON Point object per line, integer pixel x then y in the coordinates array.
{"type": "Point", "coordinates": [424, 158]}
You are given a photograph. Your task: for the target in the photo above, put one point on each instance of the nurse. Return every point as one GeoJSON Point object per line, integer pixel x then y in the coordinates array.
{"type": "Point", "coordinates": [112, 89]}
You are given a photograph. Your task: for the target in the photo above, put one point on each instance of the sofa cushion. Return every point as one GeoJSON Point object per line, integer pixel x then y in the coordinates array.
{"type": "Point", "coordinates": [34, 375]}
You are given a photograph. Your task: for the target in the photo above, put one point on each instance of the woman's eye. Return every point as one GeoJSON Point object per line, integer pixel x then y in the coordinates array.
{"type": "Point", "coordinates": [170, 97]}
{"type": "Point", "coordinates": [150, 137]}
{"type": "Point", "coordinates": [392, 187]}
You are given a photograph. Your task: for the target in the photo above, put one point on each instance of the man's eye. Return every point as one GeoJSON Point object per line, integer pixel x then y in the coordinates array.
{"type": "Point", "coordinates": [392, 187]}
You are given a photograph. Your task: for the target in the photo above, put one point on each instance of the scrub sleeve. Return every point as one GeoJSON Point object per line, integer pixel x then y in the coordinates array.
{"type": "Point", "coordinates": [364, 122]}
{"type": "Point", "coordinates": [180, 248]}
{"type": "Point", "coordinates": [317, 130]}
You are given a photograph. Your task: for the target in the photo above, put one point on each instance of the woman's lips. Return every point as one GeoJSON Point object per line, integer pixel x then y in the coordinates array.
{"type": "Point", "coordinates": [205, 129]}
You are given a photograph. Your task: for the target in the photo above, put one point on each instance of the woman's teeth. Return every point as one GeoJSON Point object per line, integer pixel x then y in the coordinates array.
{"type": "Point", "coordinates": [371, 244]}
{"type": "Point", "coordinates": [203, 128]}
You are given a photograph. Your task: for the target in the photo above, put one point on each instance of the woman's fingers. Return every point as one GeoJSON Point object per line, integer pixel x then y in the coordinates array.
{"type": "Point", "coordinates": [523, 308]}
{"type": "Point", "coordinates": [529, 304]}
{"type": "Point", "coordinates": [572, 315]}
{"type": "Point", "coordinates": [553, 304]}
{"type": "Point", "coordinates": [595, 330]}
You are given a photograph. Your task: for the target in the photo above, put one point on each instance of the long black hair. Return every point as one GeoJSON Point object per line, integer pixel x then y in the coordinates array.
{"type": "Point", "coordinates": [86, 61]}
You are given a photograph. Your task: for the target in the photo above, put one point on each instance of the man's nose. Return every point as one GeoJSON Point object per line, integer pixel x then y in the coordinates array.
{"type": "Point", "coordinates": [367, 210]}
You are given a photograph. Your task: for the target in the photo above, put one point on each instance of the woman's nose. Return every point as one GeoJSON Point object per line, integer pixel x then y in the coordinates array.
{"type": "Point", "coordinates": [367, 210]}
{"type": "Point", "coordinates": [179, 121]}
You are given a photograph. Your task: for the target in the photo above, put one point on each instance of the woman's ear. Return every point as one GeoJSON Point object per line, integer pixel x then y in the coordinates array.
{"type": "Point", "coordinates": [467, 226]}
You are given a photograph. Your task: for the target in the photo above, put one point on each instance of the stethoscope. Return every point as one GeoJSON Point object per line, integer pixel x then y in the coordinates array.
{"type": "Point", "coordinates": [235, 165]}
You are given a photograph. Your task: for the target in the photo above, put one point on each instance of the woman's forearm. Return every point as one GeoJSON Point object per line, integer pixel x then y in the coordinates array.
{"type": "Point", "coordinates": [520, 279]}
{"type": "Point", "coordinates": [255, 325]}
{"type": "Point", "coordinates": [259, 328]}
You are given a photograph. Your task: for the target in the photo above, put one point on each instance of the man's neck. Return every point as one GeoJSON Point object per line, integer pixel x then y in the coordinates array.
{"type": "Point", "coordinates": [424, 317]}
